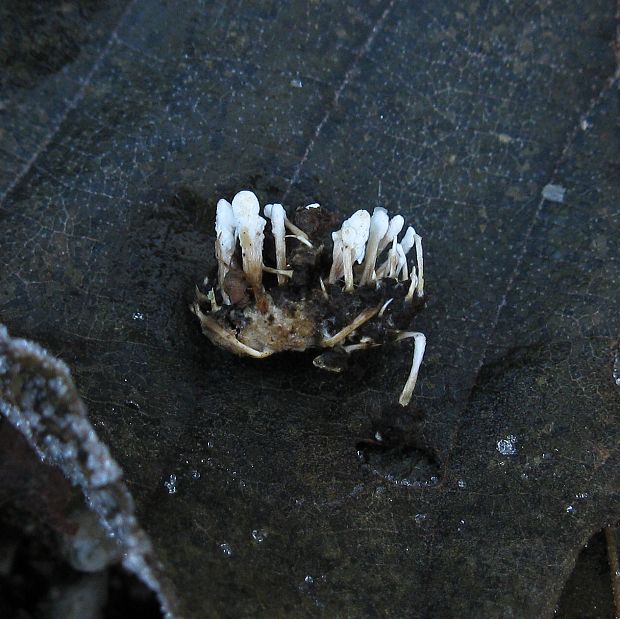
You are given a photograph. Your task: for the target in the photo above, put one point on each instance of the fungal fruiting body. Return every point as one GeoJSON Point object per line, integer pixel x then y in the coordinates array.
{"type": "Point", "coordinates": [308, 281]}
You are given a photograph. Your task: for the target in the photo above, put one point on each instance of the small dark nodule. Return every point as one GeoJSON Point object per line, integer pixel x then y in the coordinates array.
{"type": "Point", "coordinates": [307, 282]}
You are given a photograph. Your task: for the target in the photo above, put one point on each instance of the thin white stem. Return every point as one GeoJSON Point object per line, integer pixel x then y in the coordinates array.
{"type": "Point", "coordinates": [419, 343]}
{"type": "Point", "coordinates": [211, 297]}
{"type": "Point", "coordinates": [337, 269]}
{"type": "Point", "coordinates": [277, 215]}
{"type": "Point", "coordinates": [201, 296]}
{"type": "Point", "coordinates": [412, 286]}
{"type": "Point", "coordinates": [279, 272]}
{"type": "Point", "coordinates": [323, 289]}
{"type": "Point", "coordinates": [384, 307]}
{"type": "Point", "coordinates": [298, 232]}
{"type": "Point", "coordinates": [393, 259]}
{"type": "Point", "coordinates": [379, 224]}
{"type": "Point", "coordinates": [347, 261]}
{"type": "Point", "coordinates": [301, 239]}
{"type": "Point", "coordinates": [420, 260]}
{"type": "Point", "coordinates": [357, 322]}
{"type": "Point", "coordinates": [405, 271]}
{"type": "Point", "coordinates": [361, 346]}
{"type": "Point", "coordinates": [221, 337]}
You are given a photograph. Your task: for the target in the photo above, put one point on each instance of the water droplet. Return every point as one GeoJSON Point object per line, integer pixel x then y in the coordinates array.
{"type": "Point", "coordinates": [581, 496]}
{"type": "Point", "coordinates": [309, 580]}
{"type": "Point", "coordinates": [554, 193]}
{"type": "Point", "coordinates": [378, 437]}
{"type": "Point", "coordinates": [296, 83]}
{"type": "Point", "coordinates": [461, 484]}
{"type": "Point", "coordinates": [259, 536]}
{"type": "Point", "coordinates": [210, 444]}
{"type": "Point", "coordinates": [420, 518]}
{"type": "Point", "coordinates": [616, 370]}
{"type": "Point", "coordinates": [138, 316]}
{"type": "Point", "coordinates": [507, 446]}
{"type": "Point", "coordinates": [226, 549]}
{"type": "Point", "coordinates": [195, 474]}
{"type": "Point", "coordinates": [571, 509]}
{"type": "Point", "coordinates": [171, 484]}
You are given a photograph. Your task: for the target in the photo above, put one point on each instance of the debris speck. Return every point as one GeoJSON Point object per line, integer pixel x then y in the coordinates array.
{"type": "Point", "coordinates": [504, 138]}
{"type": "Point", "coordinates": [554, 193]}
{"type": "Point", "coordinates": [259, 536]}
{"type": "Point", "coordinates": [507, 446]}
{"type": "Point", "coordinates": [226, 549]}
{"type": "Point", "coordinates": [420, 518]}
{"type": "Point", "coordinates": [171, 484]}
{"type": "Point", "coordinates": [296, 83]}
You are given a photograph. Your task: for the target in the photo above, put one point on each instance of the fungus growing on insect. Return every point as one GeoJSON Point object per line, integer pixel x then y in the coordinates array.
{"type": "Point", "coordinates": [339, 288]}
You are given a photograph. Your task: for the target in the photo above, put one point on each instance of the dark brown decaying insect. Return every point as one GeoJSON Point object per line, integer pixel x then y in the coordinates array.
{"type": "Point", "coordinates": [308, 282]}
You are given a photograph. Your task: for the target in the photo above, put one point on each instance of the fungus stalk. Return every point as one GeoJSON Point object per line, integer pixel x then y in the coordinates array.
{"type": "Point", "coordinates": [379, 225]}
{"type": "Point", "coordinates": [420, 260]}
{"type": "Point", "coordinates": [413, 286]}
{"type": "Point", "coordinates": [419, 343]}
{"type": "Point", "coordinates": [277, 214]}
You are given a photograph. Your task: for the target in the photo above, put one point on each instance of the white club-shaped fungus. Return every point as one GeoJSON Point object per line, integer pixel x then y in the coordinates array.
{"type": "Point", "coordinates": [277, 214]}
{"type": "Point", "coordinates": [379, 225]}
{"type": "Point", "coordinates": [308, 309]}
{"type": "Point", "coordinates": [225, 241]}
{"type": "Point", "coordinates": [250, 229]}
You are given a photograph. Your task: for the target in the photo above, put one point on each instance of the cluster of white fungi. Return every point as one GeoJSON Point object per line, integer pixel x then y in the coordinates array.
{"type": "Point", "coordinates": [366, 250]}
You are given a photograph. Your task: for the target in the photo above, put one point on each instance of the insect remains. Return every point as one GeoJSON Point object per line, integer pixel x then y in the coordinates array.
{"type": "Point", "coordinates": [304, 280]}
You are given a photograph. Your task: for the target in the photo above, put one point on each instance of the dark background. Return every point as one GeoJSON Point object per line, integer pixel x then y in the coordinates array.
{"type": "Point", "coordinates": [122, 123]}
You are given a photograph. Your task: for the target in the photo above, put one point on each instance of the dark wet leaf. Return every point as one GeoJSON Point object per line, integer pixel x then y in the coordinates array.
{"type": "Point", "coordinates": [247, 475]}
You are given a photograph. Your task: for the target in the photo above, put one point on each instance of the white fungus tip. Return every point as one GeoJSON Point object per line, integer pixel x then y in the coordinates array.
{"type": "Point", "coordinates": [408, 240]}
{"type": "Point", "coordinates": [247, 201]}
{"type": "Point", "coordinates": [355, 232]}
